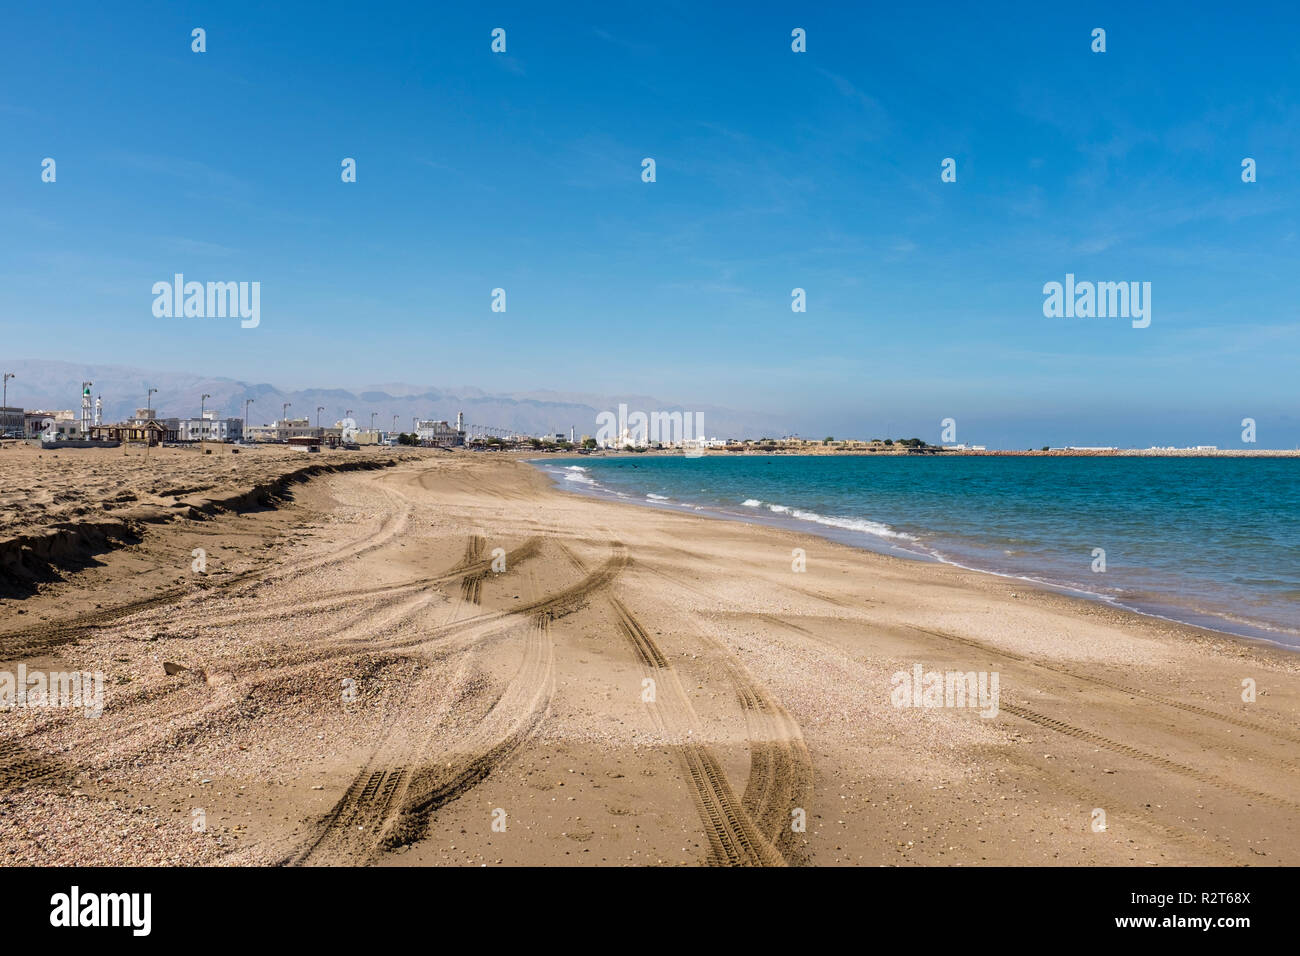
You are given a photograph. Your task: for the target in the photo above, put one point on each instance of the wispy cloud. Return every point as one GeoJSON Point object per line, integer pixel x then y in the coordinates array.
{"type": "Point", "coordinates": [876, 115]}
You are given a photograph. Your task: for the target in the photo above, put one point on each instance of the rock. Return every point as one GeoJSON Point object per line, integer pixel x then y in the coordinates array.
{"type": "Point", "coordinates": [172, 669]}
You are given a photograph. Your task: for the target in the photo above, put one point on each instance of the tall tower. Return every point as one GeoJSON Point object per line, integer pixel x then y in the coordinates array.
{"type": "Point", "coordinates": [85, 408]}
{"type": "Point", "coordinates": [460, 421]}
{"type": "Point", "coordinates": [99, 409]}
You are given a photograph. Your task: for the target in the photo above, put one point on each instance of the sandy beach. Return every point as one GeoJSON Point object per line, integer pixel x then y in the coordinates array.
{"type": "Point", "coordinates": [441, 659]}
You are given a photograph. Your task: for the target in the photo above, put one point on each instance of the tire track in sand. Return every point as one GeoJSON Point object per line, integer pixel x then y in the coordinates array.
{"type": "Point", "coordinates": [512, 720]}
{"type": "Point", "coordinates": [1065, 785]}
{"type": "Point", "coordinates": [21, 768]}
{"type": "Point", "coordinates": [734, 837]}
{"type": "Point", "coordinates": [471, 585]}
{"type": "Point", "coordinates": [1164, 763]}
{"type": "Point", "coordinates": [352, 832]}
{"type": "Point", "coordinates": [515, 716]}
{"type": "Point", "coordinates": [46, 635]}
{"type": "Point", "coordinates": [363, 630]}
{"type": "Point", "coordinates": [379, 630]}
{"type": "Point", "coordinates": [780, 766]}
{"type": "Point", "coordinates": [1122, 688]}
{"type": "Point", "coordinates": [351, 598]}
{"type": "Point", "coordinates": [394, 805]}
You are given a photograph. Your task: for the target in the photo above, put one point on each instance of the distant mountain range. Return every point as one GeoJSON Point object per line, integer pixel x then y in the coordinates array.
{"type": "Point", "coordinates": [50, 386]}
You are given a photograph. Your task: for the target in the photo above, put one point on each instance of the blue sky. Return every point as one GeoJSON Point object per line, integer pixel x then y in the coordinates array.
{"type": "Point", "coordinates": [775, 170]}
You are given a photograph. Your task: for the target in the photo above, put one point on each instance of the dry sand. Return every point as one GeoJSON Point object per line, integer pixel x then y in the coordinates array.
{"type": "Point", "coordinates": [637, 686]}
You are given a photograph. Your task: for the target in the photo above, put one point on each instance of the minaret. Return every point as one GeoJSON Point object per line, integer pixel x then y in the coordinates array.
{"type": "Point", "coordinates": [460, 421]}
{"type": "Point", "coordinates": [99, 409]}
{"type": "Point", "coordinates": [85, 408]}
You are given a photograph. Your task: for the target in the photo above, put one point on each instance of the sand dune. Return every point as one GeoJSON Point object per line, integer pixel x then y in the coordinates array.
{"type": "Point", "coordinates": [60, 508]}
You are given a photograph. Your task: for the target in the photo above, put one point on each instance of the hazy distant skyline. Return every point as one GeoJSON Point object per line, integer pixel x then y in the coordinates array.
{"type": "Point", "coordinates": [50, 386]}
{"type": "Point", "coordinates": [54, 385]}
{"type": "Point", "coordinates": [775, 170]}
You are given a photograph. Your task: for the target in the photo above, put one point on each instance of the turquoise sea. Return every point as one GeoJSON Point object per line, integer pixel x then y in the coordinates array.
{"type": "Point", "coordinates": [1207, 541]}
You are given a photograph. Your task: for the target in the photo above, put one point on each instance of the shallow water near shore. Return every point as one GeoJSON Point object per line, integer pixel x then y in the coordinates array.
{"type": "Point", "coordinates": [1209, 542]}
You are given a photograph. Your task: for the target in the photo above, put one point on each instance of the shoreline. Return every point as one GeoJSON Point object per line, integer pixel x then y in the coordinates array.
{"type": "Point", "coordinates": [939, 452]}
{"type": "Point", "coordinates": [1248, 632]}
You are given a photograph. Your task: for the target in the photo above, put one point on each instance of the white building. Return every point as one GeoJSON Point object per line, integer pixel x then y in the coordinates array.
{"type": "Point", "coordinates": [66, 430]}
{"type": "Point", "coordinates": [284, 429]}
{"type": "Point", "coordinates": [66, 423]}
{"type": "Point", "coordinates": [636, 437]}
{"type": "Point", "coordinates": [209, 428]}
{"type": "Point", "coordinates": [440, 434]}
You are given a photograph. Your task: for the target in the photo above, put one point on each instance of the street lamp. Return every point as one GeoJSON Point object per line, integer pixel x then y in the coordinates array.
{"type": "Point", "coordinates": [148, 398]}
{"type": "Point", "coordinates": [247, 402]}
{"type": "Point", "coordinates": [202, 427]}
{"type": "Point", "coordinates": [4, 402]}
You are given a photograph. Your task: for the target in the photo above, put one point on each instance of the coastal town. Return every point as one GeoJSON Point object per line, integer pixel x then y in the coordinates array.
{"type": "Point", "coordinates": [85, 427]}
